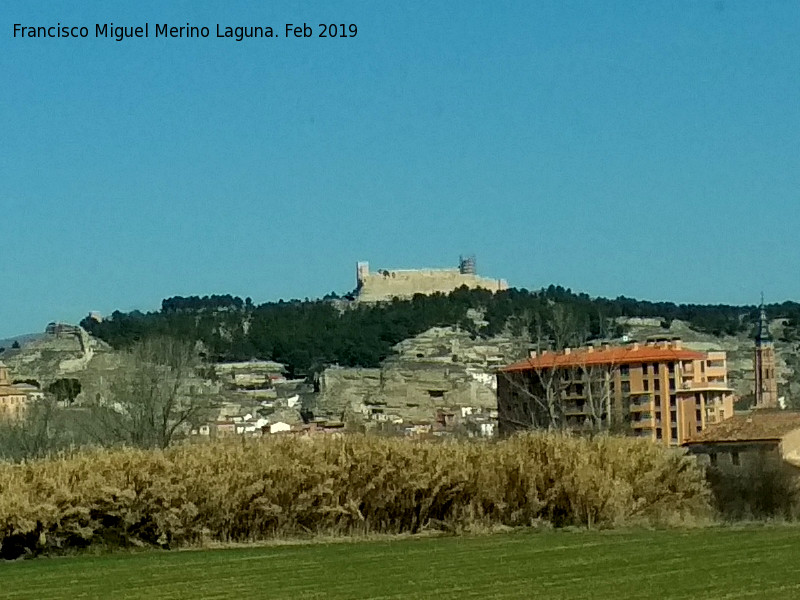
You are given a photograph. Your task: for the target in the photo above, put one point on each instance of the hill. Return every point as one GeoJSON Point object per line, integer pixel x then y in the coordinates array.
{"type": "Point", "coordinates": [20, 339]}
{"type": "Point", "coordinates": [68, 352]}
{"type": "Point", "coordinates": [309, 335]}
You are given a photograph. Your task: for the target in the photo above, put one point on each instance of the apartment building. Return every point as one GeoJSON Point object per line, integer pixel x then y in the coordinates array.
{"type": "Point", "coordinates": [657, 390]}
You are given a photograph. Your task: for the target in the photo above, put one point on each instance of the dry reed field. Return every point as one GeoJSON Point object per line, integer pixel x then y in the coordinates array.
{"type": "Point", "coordinates": [709, 563]}
{"type": "Point", "coordinates": [287, 487]}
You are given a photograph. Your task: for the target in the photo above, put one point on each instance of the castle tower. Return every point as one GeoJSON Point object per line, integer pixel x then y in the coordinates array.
{"type": "Point", "coordinates": [766, 383]}
{"type": "Point", "coordinates": [362, 272]}
{"type": "Point", "coordinates": [4, 379]}
{"type": "Point", "coordinates": [466, 265]}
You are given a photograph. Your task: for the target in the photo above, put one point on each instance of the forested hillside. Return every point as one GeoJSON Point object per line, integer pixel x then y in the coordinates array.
{"type": "Point", "coordinates": [309, 334]}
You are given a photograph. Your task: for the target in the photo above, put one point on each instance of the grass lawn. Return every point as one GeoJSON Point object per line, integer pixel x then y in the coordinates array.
{"type": "Point", "coordinates": [754, 562]}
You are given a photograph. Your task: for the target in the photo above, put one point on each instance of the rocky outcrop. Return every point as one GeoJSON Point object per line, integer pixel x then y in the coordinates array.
{"type": "Point", "coordinates": [64, 351]}
{"type": "Point", "coordinates": [443, 371]}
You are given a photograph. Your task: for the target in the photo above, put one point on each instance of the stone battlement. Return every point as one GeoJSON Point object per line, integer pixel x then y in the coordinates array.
{"type": "Point", "coordinates": [385, 284]}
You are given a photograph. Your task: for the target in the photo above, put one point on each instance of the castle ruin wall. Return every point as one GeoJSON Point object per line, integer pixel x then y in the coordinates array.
{"type": "Point", "coordinates": [387, 284]}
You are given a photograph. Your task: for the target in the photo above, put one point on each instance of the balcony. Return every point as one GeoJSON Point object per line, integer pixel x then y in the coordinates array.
{"type": "Point", "coordinates": [574, 410]}
{"type": "Point", "coordinates": [640, 402]}
{"type": "Point", "coordinates": [699, 386]}
{"type": "Point", "coordinates": [646, 422]}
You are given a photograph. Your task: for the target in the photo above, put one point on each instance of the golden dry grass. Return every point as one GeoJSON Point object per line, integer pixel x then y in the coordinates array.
{"type": "Point", "coordinates": [243, 490]}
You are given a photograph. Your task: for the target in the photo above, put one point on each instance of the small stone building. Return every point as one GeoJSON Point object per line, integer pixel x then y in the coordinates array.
{"type": "Point", "coordinates": [745, 438]}
{"type": "Point", "coordinates": [13, 401]}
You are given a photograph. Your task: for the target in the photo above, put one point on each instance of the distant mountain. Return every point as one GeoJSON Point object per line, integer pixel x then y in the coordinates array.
{"type": "Point", "coordinates": [22, 339]}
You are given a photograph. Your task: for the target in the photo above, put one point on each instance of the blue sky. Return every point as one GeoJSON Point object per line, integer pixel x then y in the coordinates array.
{"type": "Point", "coordinates": [638, 148]}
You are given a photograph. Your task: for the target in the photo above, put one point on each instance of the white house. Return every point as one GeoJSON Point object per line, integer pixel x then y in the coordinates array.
{"type": "Point", "coordinates": [487, 429]}
{"type": "Point", "coordinates": [279, 426]}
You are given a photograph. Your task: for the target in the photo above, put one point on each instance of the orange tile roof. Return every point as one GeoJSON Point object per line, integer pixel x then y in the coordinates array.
{"type": "Point", "coordinates": [758, 425]}
{"type": "Point", "coordinates": [618, 355]}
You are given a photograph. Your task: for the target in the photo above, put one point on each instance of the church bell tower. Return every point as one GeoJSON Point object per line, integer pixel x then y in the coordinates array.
{"type": "Point", "coordinates": [766, 383]}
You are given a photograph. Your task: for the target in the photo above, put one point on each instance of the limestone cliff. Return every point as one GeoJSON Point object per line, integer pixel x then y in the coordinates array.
{"type": "Point", "coordinates": [64, 351]}
{"type": "Point", "coordinates": [441, 371]}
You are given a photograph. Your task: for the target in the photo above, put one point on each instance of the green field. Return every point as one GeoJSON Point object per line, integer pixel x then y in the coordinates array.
{"type": "Point", "coordinates": [757, 562]}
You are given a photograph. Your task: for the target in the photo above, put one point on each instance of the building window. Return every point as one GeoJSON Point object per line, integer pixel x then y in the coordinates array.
{"type": "Point", "coordinates": [713, 458]}
{"type": "Point", "coordinates": [659, 434]}
{"type": "Point", "coordinates": [624, 370]}
{"type": "Point", "coordinates": [735, 458]}
{"type": "Point", "coordinates": [698, 415]}
{"type": "Point", "coordinates": [657, 384]}
{"type": "Point", "coordinates": [626, 387]}
{"type": "Point", "coordinates": [672, 368]}
{"type": "Point", "coordinates": [646, 385]}
{"type": "Point", "coordinates": [672, 401]}
{"type": "Point", "coordinates": [671, 383]}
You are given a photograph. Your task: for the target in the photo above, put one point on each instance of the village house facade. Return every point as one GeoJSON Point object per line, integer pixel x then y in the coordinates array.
{"type": "Point", "coordinates": [746, 438]}
{"type": "Point", "coordinates": [659, 390]}
{"type": "Point", "coordinates": [13, 401]}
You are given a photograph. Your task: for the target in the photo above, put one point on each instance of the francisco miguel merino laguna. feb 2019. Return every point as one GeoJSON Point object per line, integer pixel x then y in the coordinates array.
{"type": "Point", "coordinates": [165, 30]}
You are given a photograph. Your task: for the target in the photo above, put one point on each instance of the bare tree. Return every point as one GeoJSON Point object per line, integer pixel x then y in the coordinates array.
{"type": "Point", "coordinates": [536, 398]}
{"type": "Point", "coordinates": [566, 328]}
{"type": "Point", "coordinates": [151, 397]}
{"type": "Point", "coordinates": [531, 399]}
{"type": "Point", "coordinates": [36, 435]}
{"type": "Point", "coordinates": [596, 380]}
{"type": "Point", "coordinates": [551, 396]}
{"type": "Point", "coordinates": [547, 397]}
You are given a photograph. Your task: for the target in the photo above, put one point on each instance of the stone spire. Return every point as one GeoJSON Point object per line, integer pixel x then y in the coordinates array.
{"type": "Point", "coordinates": [763, 336]}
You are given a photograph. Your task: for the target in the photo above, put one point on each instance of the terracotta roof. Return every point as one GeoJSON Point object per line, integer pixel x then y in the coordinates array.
{"type": "Point", "coordinates": [758, 425]}
{"type": "Point", "coordinates": [618, 355]}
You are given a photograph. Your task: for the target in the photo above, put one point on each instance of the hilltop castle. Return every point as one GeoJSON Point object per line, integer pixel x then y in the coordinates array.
{"type": "Point", "coordinates": [384, 284]}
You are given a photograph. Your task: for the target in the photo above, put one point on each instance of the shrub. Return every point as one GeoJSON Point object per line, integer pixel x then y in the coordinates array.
{"type": "Point", "coordinates": [241, 490]}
